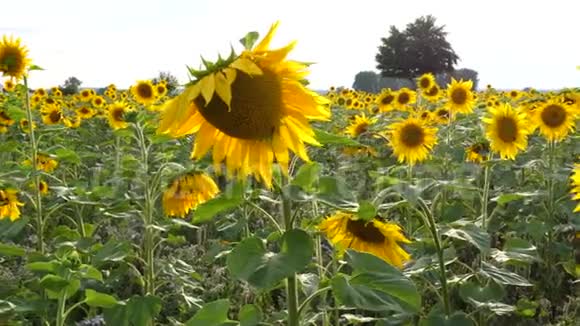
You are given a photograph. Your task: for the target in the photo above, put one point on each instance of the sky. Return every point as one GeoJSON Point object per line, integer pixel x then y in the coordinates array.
{"type": "Point", "coordinates": [511, 44]}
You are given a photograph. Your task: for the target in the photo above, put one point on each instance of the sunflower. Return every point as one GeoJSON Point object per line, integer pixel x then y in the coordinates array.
{"type": "Point", "coordinates": [13, 58]}
{"type": "Point", "coordinates": [386, 100]}
{"type": "Point", "coordinates": [359, 150]}
{"type": "Point", "coordinates": [9, 204]}
{"type": "Point", "coordinates": [42, 187]}
{"type": "Point", "coordinates": [477, 152]}
{"type": "Point", "coordinates": [575, 178]}
{"type": "Point", "coordinates": [433, 94]}
{"type": "Point", "coordinates": [187, 192]}
{"type": "Point", "coordinates": [426, 116]}
{"type": "Point", "coordinates": [375, 237]}
{"type": "Point", "coordinates": [507, 131]}
{"type": "Point", "coordinates": [144, 92]}
{"type": "Point", "coordinates": [5, 119]}
{"type": "Point", "coordinates": [514, 94]}
{"type": "Point", "coordinates": [44, 162]}
{"type": "Point", "coordinates": [116, 115]}
{"type": "Point", "coordinates": [9, 85]}
{"type": "Point", "coordinates": [555, 119]}
{"type": "Point", "coordinates": [359, 125]}
{"type": "Point", "coordinates": [85, 112]}
{"type": "Point", "coordinates": [161, 90]}
{"type": "Point", "coordinates": [98, 101]}
{"type": "Point", "coordinates": [252, 109]}
{"type": "Point", "coordinates": [25, 126]}
{"type": "Point", "coordinates": [3, 128]}
{"type": "Point", "coordinates": [426, 81]}
{"type": "Point", "coordinates": [72, 121]}
{"type": "Point", "coordinates": [86, 95]}
{"type": "Point", "coordinates": [404, 97]}
{"type": "Point", "coordinates": [411, 140]}
{"type": "Point", "coordinates": [51, 114]}
{"type": "Point", "coordinates": [460, 97]}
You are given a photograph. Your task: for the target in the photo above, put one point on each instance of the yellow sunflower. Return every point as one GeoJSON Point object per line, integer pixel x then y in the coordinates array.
{"type": "Point", "coordinates": [375, 237]}
{"type": "Point", "coordinates": [86, 95]}
{"type": "Point", "coordinates": [433, 94]}
{"type": "Point", "coordinates": [426, 81]}
{"type": "Point", "coordinates": [9, 204]}
{"type": "Point", "coordinates": [98, 101]}
{"type": "Point", "coordinates": [25, 126]}
{"type": "Point", "coordinates": [404, 97]}
{"type": "Point", "coordinates": [252, 109]}
{"type": "Point", "coordinates": [575, 178]}
{"type": "Point", "coordinates": [85, 112]}
{"type": "Point", "coordinates": [386, 100]}
{"type": "Point", "coordinates": [13, 58]}
{"type": "Point", "coordinates": [460, 97]}
{"type": "Point", "coordinates": [5, 118]}
{"type": "Point", "coordinates": [144, 92]}
{"type": "Point", "coordinates": [9, 85]}
{"type": "Point", "coordinates": [72, 121]}
{"type": "Point", "coordinates": [161, 90]}
{"type": "Point", "coordinates": [412, 140]}
{"type": "Point", "coordinates": [359, 125]}
{"type": "Point", "coordinates": [507, 131]}
{"type": "Point", "coordinates": [51, 114]}
{"type": "Point", "coordinates": [514, 94]}
{"type": "Point", "coordinates": [116, 115]}
{"type": "Point", "coordinates": [41, 92]}
{"type": "Point", "coordinates": [44, 162]}
{"type": "Point", "coordinates": [187, 192]}
{"type": "Point", "coordinates": [477, 153]}
{"type": "Point", "coordinates": [555, 119]}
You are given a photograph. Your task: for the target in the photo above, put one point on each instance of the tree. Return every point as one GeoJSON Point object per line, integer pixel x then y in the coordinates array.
{"type": "Point", "coordinates": [71, 86]}
{"type": "Point", "coordinates": [464, 73]}
{"type": "Point", "coordinates": [367, 81]}
{"type": "Point", "coordinates": [172, 82]}
{"type": "Point", "coordinates": [420, 48]}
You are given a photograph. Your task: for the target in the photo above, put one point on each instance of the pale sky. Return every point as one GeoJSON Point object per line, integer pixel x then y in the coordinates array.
{"type": "Point", "coordinates": [512, 44]}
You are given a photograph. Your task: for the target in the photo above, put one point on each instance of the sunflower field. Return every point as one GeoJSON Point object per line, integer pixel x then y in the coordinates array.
{"type": "Point", "coordinates": [246, 198]}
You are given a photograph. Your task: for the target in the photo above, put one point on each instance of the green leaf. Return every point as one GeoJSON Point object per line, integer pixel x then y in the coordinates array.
{"type": "Point", "coordinates": [467, 231]}
{"type": "Point", "coordinates": [526, 308]}
{"type": "Point", "coordinates": [143, 310]}
{"type": "Point", "coordinates": [508, 198]}
{"type": "Point", "coordinates": [335, 191]}
{"type": "Point", "coordinates": [10, 230]}
{"type": "Point", "coordinates": [473, 291]}
{"type": "Point", "coordinates": [90, 272]}
{"type": "Point", "coordinates": [11, 250]}
{"type": "Point", "coordinates": [375, 285]}
{"type": "Point", "coordinates": [221, 203]}
{"type": "Point", "coordinates": [502, 276]}
{"type": "Point", "coordinates": [249, 40]}
{"type": "Point", "coordinates": [326, 138]}
{"type": "Point", "coordinates": [458, 318]}
{"type": "Point", "coordinates": [67, 155]}
{"type": "Point", "coordinates": [54, 283]}
{"type": "Point", "coordinates": [35, 67]}
{"type": "Point", "coordinates": [97, 299]}
{"type": "Point", "coordinates": [43, 266]}
{"type": "Point", "coordinates": [366, 210]}
{"type": "Point", "coordinates": [307, 175]}
{"type": "Point", "coordinates": [516, 251]}
{"type": "Point", "coordinates": [250, 315]}
{"type": "Point", "coordinates": [250, 261]}
{"type": "Point", "coordinates": [211, 314]}
{"type": "Point", "coordinates": [112, 251]}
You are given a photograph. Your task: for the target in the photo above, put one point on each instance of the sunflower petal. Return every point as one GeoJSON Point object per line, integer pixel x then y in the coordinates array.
{"type": "Point", "coordinates": [223, 89]}
{"type": "Point", "coordinates": [247, 66]}
{"type": "Point", "coordinates": [207, 85]}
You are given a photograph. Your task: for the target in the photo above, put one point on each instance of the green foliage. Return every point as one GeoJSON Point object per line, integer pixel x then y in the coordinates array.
{"type": "Point", "coordinates": [71, 86]}
{"type": "Point", "coordinates": [422, 47]}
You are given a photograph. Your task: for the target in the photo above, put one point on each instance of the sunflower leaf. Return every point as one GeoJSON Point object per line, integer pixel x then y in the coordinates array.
{"type": "Point", "coordinates": [249, 40]}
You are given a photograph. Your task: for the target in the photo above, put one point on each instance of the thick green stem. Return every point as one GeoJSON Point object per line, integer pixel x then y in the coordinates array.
{"type": "Point", "coordinates": [485, 196]}
{"type": "Point", "coordinates": [551, 158]}
{"type": "Point", "coordinates": [291, 286]}
{"type": "Point", "coordinates": [149, 245]}
{"type": "Point", "coordinates": [36, 177]}
{"type": "Point", "coordinates": [320, 267]}
{"type": "Point", "coordinates": [60, 310]}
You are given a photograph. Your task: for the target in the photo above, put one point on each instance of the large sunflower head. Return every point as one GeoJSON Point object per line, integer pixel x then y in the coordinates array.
{"type": "Point", "coordinates": [51, 114]}
{"type": "Point", "coordinates": [144, 92]}
{"type": "Point", "coordinates": [575, 179]}
{"type": "Point", "coordinates": [251, 109]}
{"type": "Point", "coordinates": [359, 125]}
{"type": "Point", "coordinates": [433, 94]}
{"type": "Point", "coordinates": [507, 131]}
{"type": "Point", "coordinates": [116, 115]}
{"type": "Point", "coordinates": [375, 237]}
{"type": "Point", "coordinates": [9, 85]}
{"type": "Point", "coordinates": [459, 96]}
{"type": "Point", "coordinates": [13, 57]}
{"type": "Point", "coordinates": [412, 140]}
{"type": "Point", "coordinates": [386, 100]}
{"type": "Point", "coordinates": [426, 81]}
{"type": "Point", "coordinates": [404, 98]}
{"type": "Point", "coordinates": [187, 192]}
{"type": "Point", "coordinates": [9, 204]}
{"type": "Point", "coordinates": [555, 119]}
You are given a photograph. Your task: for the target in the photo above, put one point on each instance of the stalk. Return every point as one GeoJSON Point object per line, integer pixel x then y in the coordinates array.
{"type": "Point", "coordinates": [291, 286]}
